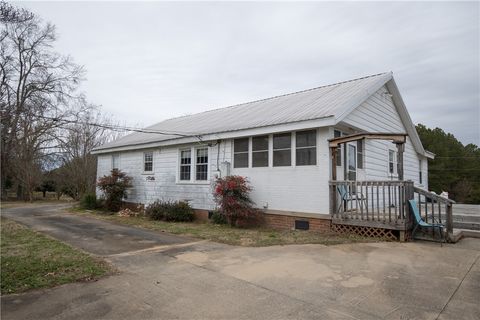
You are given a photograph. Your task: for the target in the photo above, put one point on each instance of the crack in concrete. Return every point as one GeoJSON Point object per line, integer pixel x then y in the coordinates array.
{"type": "Point", "coordinates": [458, 287]}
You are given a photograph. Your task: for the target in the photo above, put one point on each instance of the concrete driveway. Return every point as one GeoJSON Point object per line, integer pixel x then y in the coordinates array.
{"type": "Point", "coordinates": [205, 280]}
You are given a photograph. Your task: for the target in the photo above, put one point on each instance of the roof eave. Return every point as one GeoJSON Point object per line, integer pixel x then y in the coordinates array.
{"type": "Point", "coordinates": [290, 126]}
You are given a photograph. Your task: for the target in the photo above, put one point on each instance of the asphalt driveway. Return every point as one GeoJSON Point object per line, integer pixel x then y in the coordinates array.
{"type": "Point", "coordinates": [92, 235]}
{"type": "Point", "coordinates": [182, 279]}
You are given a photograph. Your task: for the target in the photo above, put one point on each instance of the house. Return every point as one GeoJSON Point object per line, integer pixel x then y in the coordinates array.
{"type": "Point", "coordinates": [281, 144]}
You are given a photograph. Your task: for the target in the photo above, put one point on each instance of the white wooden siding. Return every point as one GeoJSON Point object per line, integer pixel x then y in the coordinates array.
{"type": "Point", "coordinates": [300, 189]}
{"type": "Point", "coordinates": [165, 171]}
{"type": "Point", "coordinates": [378, 114]}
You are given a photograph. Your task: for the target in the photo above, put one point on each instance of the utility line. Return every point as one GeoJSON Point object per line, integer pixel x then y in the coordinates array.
{"type": "Point", "coordinates": [123, 128]}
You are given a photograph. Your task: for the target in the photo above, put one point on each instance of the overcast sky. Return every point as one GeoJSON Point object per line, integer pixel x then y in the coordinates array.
{"type": "Point", "coordinates": [150, 61]}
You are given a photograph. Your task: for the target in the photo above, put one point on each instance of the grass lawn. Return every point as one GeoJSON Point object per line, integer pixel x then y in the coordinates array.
{"type": "Point", "coordinates": [30, 260]}
{"type": "Point", "coordinates": [256, 237]}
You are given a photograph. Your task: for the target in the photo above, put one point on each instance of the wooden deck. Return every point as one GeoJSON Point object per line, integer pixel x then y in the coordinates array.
{"type": "Point", "coordinates": [384, 204]}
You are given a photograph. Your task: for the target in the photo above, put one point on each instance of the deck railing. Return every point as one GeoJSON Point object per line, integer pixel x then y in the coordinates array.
{"type": "Point", "coordinates": [380, 203]}
{"type": "Point", "coordinates": [434, 208]}
{"type": "Point", "coordinates": [385, 204]}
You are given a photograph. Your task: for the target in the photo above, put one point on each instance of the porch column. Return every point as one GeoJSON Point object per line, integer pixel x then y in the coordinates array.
{"type": "Point", "coordinates": [332, 187]}
{"type": "Point", "coordinates": [400, 149]}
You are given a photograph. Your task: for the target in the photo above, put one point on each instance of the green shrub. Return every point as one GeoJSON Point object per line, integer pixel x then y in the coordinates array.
{"type": "Point", "coordinates": [218, 218]}
{"type": "Point", "coordinates": [157, 209]}
{"type": "Point", "coordinates": [89, 201]}
{"type": "Point", "coordinates": [114, 188]}
{"type": "Point", "coordinates": [179, 212]}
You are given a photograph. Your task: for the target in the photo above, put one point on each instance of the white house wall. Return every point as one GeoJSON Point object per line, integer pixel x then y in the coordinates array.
{"type": "Point", "coordinates": [300, 189]}
{"type": "Point", "coordinates": [165, 185]}
{"type": "Point", "coordinates": [379, 114]}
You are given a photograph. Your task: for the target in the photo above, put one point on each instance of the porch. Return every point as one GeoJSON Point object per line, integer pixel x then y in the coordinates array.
{"type": "Point", "coordinates": [381, 207]}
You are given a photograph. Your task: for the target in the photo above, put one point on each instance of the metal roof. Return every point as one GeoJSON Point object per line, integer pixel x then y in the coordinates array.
{"type": "Point", "coordinates": [334, 100]}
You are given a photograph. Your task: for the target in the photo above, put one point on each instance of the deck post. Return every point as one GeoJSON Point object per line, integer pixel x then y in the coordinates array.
{"type": "Point", "coordinates": [449, 221]}
{"type": "Point", "coordinates": [409, 195]}
{"type": "Point", "coordinates": [400, 150]}
{"type": "Point", "coordinates": [333, 193]}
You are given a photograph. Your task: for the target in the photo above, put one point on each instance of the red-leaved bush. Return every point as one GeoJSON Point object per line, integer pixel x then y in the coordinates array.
{"type": "Point", "coordinates": [231, 194]}
{"type": "Point", "coordinates": [114, 188]}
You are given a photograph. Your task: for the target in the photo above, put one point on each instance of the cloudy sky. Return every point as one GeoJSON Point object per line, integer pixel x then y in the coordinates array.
{"type": "Point", "coordinates": [150, 61]}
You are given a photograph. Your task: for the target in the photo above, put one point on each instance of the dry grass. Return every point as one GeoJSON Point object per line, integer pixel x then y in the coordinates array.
{"type": "Point", "coordinates": [253, 237]}
{"type": "Point", "coordinates": [30, 260]}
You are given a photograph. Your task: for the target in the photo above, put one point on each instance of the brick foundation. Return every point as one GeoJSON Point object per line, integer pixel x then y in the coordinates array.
{"type": "Point", "coordinates": [287, 222]}
{"type": "Point", "coordinates": [201, 215]}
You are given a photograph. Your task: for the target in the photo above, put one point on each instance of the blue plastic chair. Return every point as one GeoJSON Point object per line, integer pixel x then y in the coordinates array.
{"type": "Point", "coordinates": [420, 223]}
{"type": "Point", "coordinates": [345, 197]}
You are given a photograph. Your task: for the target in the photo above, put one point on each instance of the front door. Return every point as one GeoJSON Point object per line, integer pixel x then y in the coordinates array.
{"type": "Point", "coordinates": [351, 162]}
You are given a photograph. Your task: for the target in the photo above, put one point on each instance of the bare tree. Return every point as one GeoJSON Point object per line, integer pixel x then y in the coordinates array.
{"type": "Point", "coordinates": [11, 14]}
{"type": "Point", "coordinates": [37, 85]}
{"type": "Point", "coordinates": [87, 129]}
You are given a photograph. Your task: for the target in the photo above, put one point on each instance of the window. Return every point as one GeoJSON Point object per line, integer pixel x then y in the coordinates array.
{"type": "Point", "coordinates": [185, 165]}
{"type": "Point", "coordinates": [282, 145]}
{"type": "Point", "coordinates": [260, 151]}
{"type": "Point", "coordinates": [420, 173]}
{"type": "Point", "coordinates": [306, 144]}
{"type": "Point", "coordinates": [202, 164]}
{"type": "Point", "coordinates": [115, 161]}
{"type": "Point", "coordinates": [360, 154]}
{"type": "Point", "coordinates": [240, 153]}
{"type": "Point", "coordinates": [391, 161]}
{"type": "Point", "coordinates": [338, 134]}
{"type": "Point", "coordinates": [148, 161]}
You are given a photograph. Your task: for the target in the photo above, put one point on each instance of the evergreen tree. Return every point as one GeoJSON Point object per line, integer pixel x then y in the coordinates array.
{"type": "Point", "coordinates": [455, 169]}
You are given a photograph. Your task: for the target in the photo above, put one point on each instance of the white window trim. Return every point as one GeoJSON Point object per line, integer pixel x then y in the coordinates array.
{"type": "Point", "coordinates": [179, 165]}
{"type": "Point", "coordinates": [294, 148]}
{"type": "Point", "coordinates": [193, 166]}
{"type": "Point", "coordinates": [118, 164]}
{"type": "Point", "coordinates": [153, 162]}
{"type": "Point", "coordinates": [293, 151]}
{"type": "Point", "coordinates": [421, 176]}
{"type": "Point", "coordinates": [395, 173]}
{"type": "Point", "coordinates": [251, 152]}
{"type": "Point", "coordinates": [248, 152]}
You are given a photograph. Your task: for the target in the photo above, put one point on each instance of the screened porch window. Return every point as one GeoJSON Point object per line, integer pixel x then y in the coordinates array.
{"type": "Point", "coordinates": [260, 151]}
{"type": "Point", "coordinates": [282, 149]}
{"type": "Point", "coordinates": [306, 148]}
{"type": "Point", "coordinates": [240, 153]}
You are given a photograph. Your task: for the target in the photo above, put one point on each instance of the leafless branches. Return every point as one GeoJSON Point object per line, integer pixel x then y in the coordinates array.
{"type": "Point", "coordinates": [38, 87]}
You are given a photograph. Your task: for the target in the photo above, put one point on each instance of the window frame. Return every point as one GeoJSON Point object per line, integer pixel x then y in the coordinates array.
{"type": "Point", "coordinates": [241, 152]}
{"type": "Point", "coordinates": [116, 156]}
{"type": "Point", "coordinates": [193, 165]}
{"type": "Point", "coordinates": [267, 151]}
{"type": "Point", "coordinates": [201, 164]}
{"type": "Point", "coordinates": [360, 154]}
{"type": "Point", "coordinates": [314, 147]}
{"type": "Point", "coordinates": [186, 165]}
{"type": "Point", "coordinates": [290, 133]}
{"type": "Point", "coordinates": [391, 167]}
{"type": "Point", "coordinates": [420, 172]}
{"type": "Point", "coordinates": [145, 162]}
